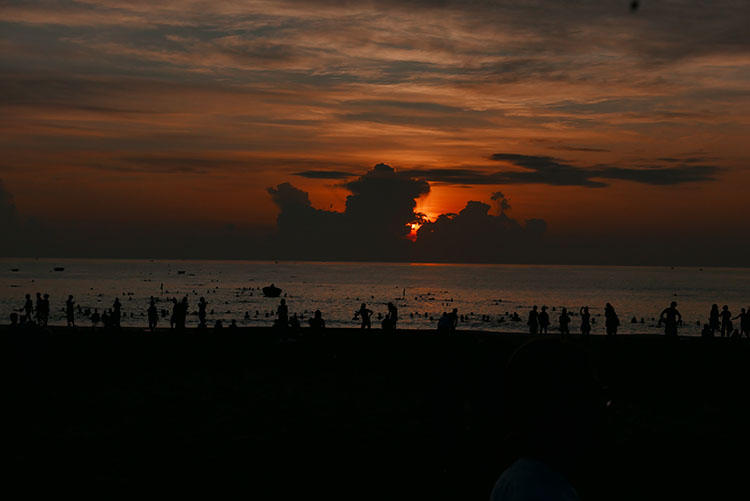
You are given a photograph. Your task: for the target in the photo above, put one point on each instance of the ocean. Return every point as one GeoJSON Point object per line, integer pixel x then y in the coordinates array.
{"type": "Point", "coordinates": [486, 294]}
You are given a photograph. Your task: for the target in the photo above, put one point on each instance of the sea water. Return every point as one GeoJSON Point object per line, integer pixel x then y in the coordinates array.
{"type": "Point", "coordinates": [486, 294]}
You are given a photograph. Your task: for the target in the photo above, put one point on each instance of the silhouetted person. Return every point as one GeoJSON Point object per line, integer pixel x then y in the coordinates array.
{"type": "Point", "coordinates": [556, 410]}
{"type": "Point", "coordinates": [316, 322]}
{"type": "Point", "coordinates": [585, 321]}
{"type": "Point", "coordinates": [612, 321]}
{"type": "Point", "coordinates": [202, 313]}
{"type": "Point", "coordinates": [453, 316]}
{"type": "Point", "coordinates": [153, 315]}
{"type": "Point", "coordinates": [173, 317]}
{"type": "Point", "coordinates": [116, 313]}
{"type": "Point", "coordinates": [218, 325]}
{"type": "Point", "coordinates": [671, 319]}
{"type": "Point", "coordinates": [543, 321]}
{"type": "Point", "coordinates": [713, 318]}
{"type": "Point", "coordinates": [293, 322]}
{"type": "Point", "coordinates": [44, 315]}
{"type": "Point", "coordinates": [393, 315]}
{"type": "Point", "coordinates": [70, 315]}
{"type": "Point", "coordinates": [533, 322]}
{"type": "Point", "coordinates": [365, 316]}
{"type": "Point", "coordinates": [182, 311]}
{"type": "Point", "coordinates": [391, 318]}
{"type": "Point", "coordinates": [707, 331]}
{"type": "Point", "coordinates": [564, 322]}
{"type": "Point", "coordinates": [39, 308]}
{"type": "Point", "coordinates": [444, 324]}
{"type": "Point", "coordinates": [726, 321]}
{"type": "Point", "coordinates": [28, 309]}
{"type": "Point", "coordinates": [744, 323]}
{"type": "Point", "coordinates": [14, 319]}
{"type": "Point", "coordinates": [95, 318]}
{"type": "Point", "coordinates": [106, 319]}
{"type": "Point", "coordinates": [282, 315]}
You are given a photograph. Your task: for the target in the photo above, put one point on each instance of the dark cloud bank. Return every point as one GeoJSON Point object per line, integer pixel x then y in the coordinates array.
{"type": "Point", "coordinates": [378, 218]}
{"type": "Point", "coordinates": [554, 172]}
{"type": "Point", "coordinates": [376, 224]}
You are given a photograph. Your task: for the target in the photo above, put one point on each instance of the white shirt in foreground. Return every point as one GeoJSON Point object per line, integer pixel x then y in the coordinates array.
{"type": "Point", "coordinates": [531, 480]}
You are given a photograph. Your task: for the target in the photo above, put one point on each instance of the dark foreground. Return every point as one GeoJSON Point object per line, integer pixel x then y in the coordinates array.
{"type": "Point", "coordinates": [351, 415]}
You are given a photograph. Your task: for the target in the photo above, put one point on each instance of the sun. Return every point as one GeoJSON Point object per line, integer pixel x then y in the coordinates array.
{"type": "Point", "coordinates": [414, 227]}
{"type": "Point", "coordinates": [413, 232]}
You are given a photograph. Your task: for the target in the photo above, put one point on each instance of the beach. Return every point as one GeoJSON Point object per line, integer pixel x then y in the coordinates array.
{"type": "Point", "coordinates": [486, 296]}
{"type": "Point", "coordinates": [347, 413]}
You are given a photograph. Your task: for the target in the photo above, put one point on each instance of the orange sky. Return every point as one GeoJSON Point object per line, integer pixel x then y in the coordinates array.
{"type": "Point", "coordinates": [189, 112]}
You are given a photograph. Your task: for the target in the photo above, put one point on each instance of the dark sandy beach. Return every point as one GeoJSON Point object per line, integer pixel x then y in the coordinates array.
{"type": "Point", "coordinates": [351, 415]}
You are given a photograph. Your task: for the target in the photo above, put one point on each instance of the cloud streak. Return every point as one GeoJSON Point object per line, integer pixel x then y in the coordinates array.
{"type": "Point", "coordinates": [536, 169]}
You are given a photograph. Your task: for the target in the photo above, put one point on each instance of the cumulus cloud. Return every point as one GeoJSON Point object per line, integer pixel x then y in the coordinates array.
{"type": "Point", "coordinates": [378, 217]}
{"type": "Point", "coordinates": [374, 225]}
{"type": "Point", "coordinates": [475, 235]}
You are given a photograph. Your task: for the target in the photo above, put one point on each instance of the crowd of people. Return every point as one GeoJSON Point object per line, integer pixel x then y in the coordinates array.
{"type": "Point", "coordinates": [538, 321]}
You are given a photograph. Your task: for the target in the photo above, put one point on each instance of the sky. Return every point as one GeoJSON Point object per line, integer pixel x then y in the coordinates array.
{"type": "Point", "coordinates": [506, 131]}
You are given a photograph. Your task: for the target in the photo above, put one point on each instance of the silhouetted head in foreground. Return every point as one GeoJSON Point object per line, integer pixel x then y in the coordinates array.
{"type": "Point", "coordinates": [556, 409]}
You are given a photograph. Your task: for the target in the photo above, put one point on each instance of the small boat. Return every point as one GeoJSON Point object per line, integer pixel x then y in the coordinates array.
{"type": "Point", "coordinates": [271, 291]}
{"type": "Point", "coordinates": [59, 268]}
{"type": "Point", "coordinates": [180, 272]}
{"type": "Point", "coordinates": [14, 269]}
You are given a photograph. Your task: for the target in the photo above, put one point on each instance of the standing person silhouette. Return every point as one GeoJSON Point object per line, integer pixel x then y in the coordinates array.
{"type": "Point", "coordinates": [726, 321]}
{"type": "Point", "coordinates": [39, 308]}
{"type": "Point", "coordinates": [116, 313]}
{"type": "Point", "coordinates": [453, 317]}
{"type": "Point", "coordinates": [564, 322]}
{"type": "Point", "coordinates": [282, 315]}
{"type": "Point", "coordinates": [202, 312]}
{"type": "Point", "coordinates": [544, 321]}
{"type": "Point", "coordinates": [316, 322]}
{"type": "Point", "coordinates": [173, 318]}
{"type": "Point", "coordinates": [444, 324]}
{"type": "Point", "coordinates": [365, 315]}
{"type": "Point", "coordinates": [744, 322]}
{"type": "Point", "coordinates": [533, 322]}
{"type": "Point", "coordinates": [70, 312]}
{"type": "Point", "coordinates": [28, 309]}
{"type": "Point", "coordinates": [612, 321]}
{"type": "Point", "coordinates": [671, 318]}
{"type": "Point", "coordinates": [44, 315]}
{"type": "Point", "coordinates": [153, 315]}
{"type": "Point", "coordinates": [392, 316]}
{"type": "Point", "coordinates": [713, 318]}
{"type": "Point", "coordinates": [182, 311]}
{"type": "Point", "coordinates": [585, 321]}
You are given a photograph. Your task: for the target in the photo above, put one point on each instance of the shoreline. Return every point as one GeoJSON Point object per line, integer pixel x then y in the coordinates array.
{"type": "Point", "coordinates": [327, 332]}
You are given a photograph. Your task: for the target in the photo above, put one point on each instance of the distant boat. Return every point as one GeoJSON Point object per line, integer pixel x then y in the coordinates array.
{"type": "Point", "coordinates": [59, 268]}
{"type": "Point", "coordinates": [271, 291]}
{"type": "Point", "coordinates": [180, 272]}
{"type": "Point", "coordinates": [14, 269]}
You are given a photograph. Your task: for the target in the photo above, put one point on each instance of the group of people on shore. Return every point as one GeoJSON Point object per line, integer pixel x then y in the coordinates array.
{"type": "Point", "coordinates": [670, 318]}
{"type": "Point", "coordinates": [721, 321]}
{"type": "Point", "coordinates": [38, 314]}
{"type": "Point", "coordinates": [316, 322]}
{"type": "Point", "coordinates": [539, 322]}
{"type": "Point", "coordinates": [284, 321]}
